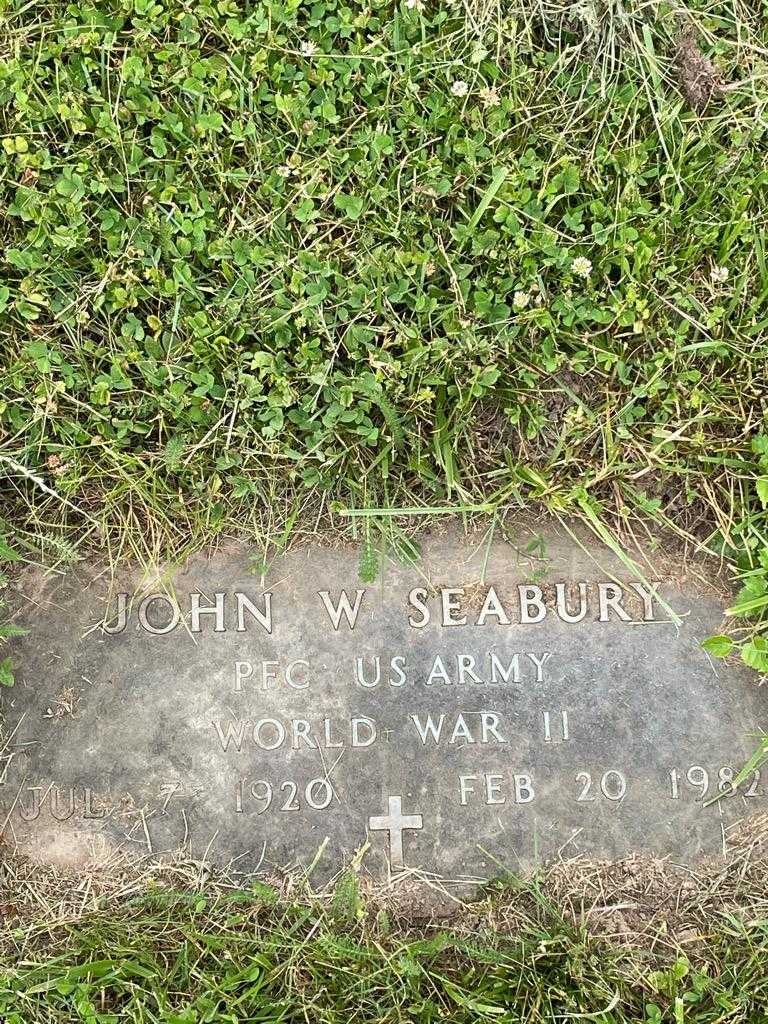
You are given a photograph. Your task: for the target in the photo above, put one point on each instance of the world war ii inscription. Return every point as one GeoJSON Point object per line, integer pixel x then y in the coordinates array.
{"type": "Point", "coordinates": [488, 707]}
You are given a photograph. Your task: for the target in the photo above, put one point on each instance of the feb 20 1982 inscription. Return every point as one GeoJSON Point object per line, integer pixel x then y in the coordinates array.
{"type": "Point", "coordinates": [468, 716]}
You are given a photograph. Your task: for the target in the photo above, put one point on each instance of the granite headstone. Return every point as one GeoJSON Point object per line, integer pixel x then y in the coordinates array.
{"type": "Point", "coordinates": [493, 705]}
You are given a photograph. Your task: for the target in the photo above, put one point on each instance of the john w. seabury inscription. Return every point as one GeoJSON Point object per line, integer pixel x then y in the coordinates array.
{"type": "Point", "coordinates": [470, 715]}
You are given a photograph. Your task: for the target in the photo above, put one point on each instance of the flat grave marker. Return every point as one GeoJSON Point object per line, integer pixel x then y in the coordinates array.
{"type": "Point", "coordinates": [490, 707]}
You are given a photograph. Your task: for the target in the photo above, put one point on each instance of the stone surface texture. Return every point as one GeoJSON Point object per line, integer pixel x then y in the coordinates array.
{"type": "Point", "coordinates": [614, 743]}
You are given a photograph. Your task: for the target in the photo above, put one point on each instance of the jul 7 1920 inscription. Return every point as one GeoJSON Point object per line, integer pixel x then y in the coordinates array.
{"type": "Point", "coordinates": [490, 707]}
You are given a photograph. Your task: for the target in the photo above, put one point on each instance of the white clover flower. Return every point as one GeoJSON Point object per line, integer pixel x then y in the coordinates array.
{"type": "Point", "coordinates": [490, 96]}
{"type": "Point", "coordinates": [521, 299]}
{"type": "Point", "coordinates": [581, 266]}
{"type": "Point", "coordinates": [719, 275]}
{"type": "Point", "coordinates": [308, 48]}
{"type": "Point", "coordinates": [459, 87]}
{"type": "Point", "coordinates": [414, 5]}
{"type": "Point", "coordinates": [285, 171]}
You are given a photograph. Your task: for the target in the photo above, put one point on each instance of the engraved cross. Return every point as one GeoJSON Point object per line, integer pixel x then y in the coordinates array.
{"type": "Point", "coordinates": [395, 823]}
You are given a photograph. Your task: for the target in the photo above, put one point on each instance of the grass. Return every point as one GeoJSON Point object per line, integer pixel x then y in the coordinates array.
{"type": "Point", "coordinates": [282, 267]}
{"type": "Point", "coordinates": [471, 257]}
{"type": "Point", "coordinates": [631, 942]}
{"type": "Point", "coordinates": [383, 255]}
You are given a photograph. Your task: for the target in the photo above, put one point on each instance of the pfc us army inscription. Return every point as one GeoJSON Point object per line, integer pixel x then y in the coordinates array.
{"type": "Point", "coordinates": [472, 714]}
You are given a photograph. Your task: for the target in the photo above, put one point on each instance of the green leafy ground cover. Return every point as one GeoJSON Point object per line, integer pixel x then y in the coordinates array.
{"type": "Point", "coordinates": [258, 257]}
{"type": "Point", "coordinates": [394, 254]}
{"type": "Point", "coordinates": [265, 263]}
{"type": "Point", "coordinates": [543, 951]}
